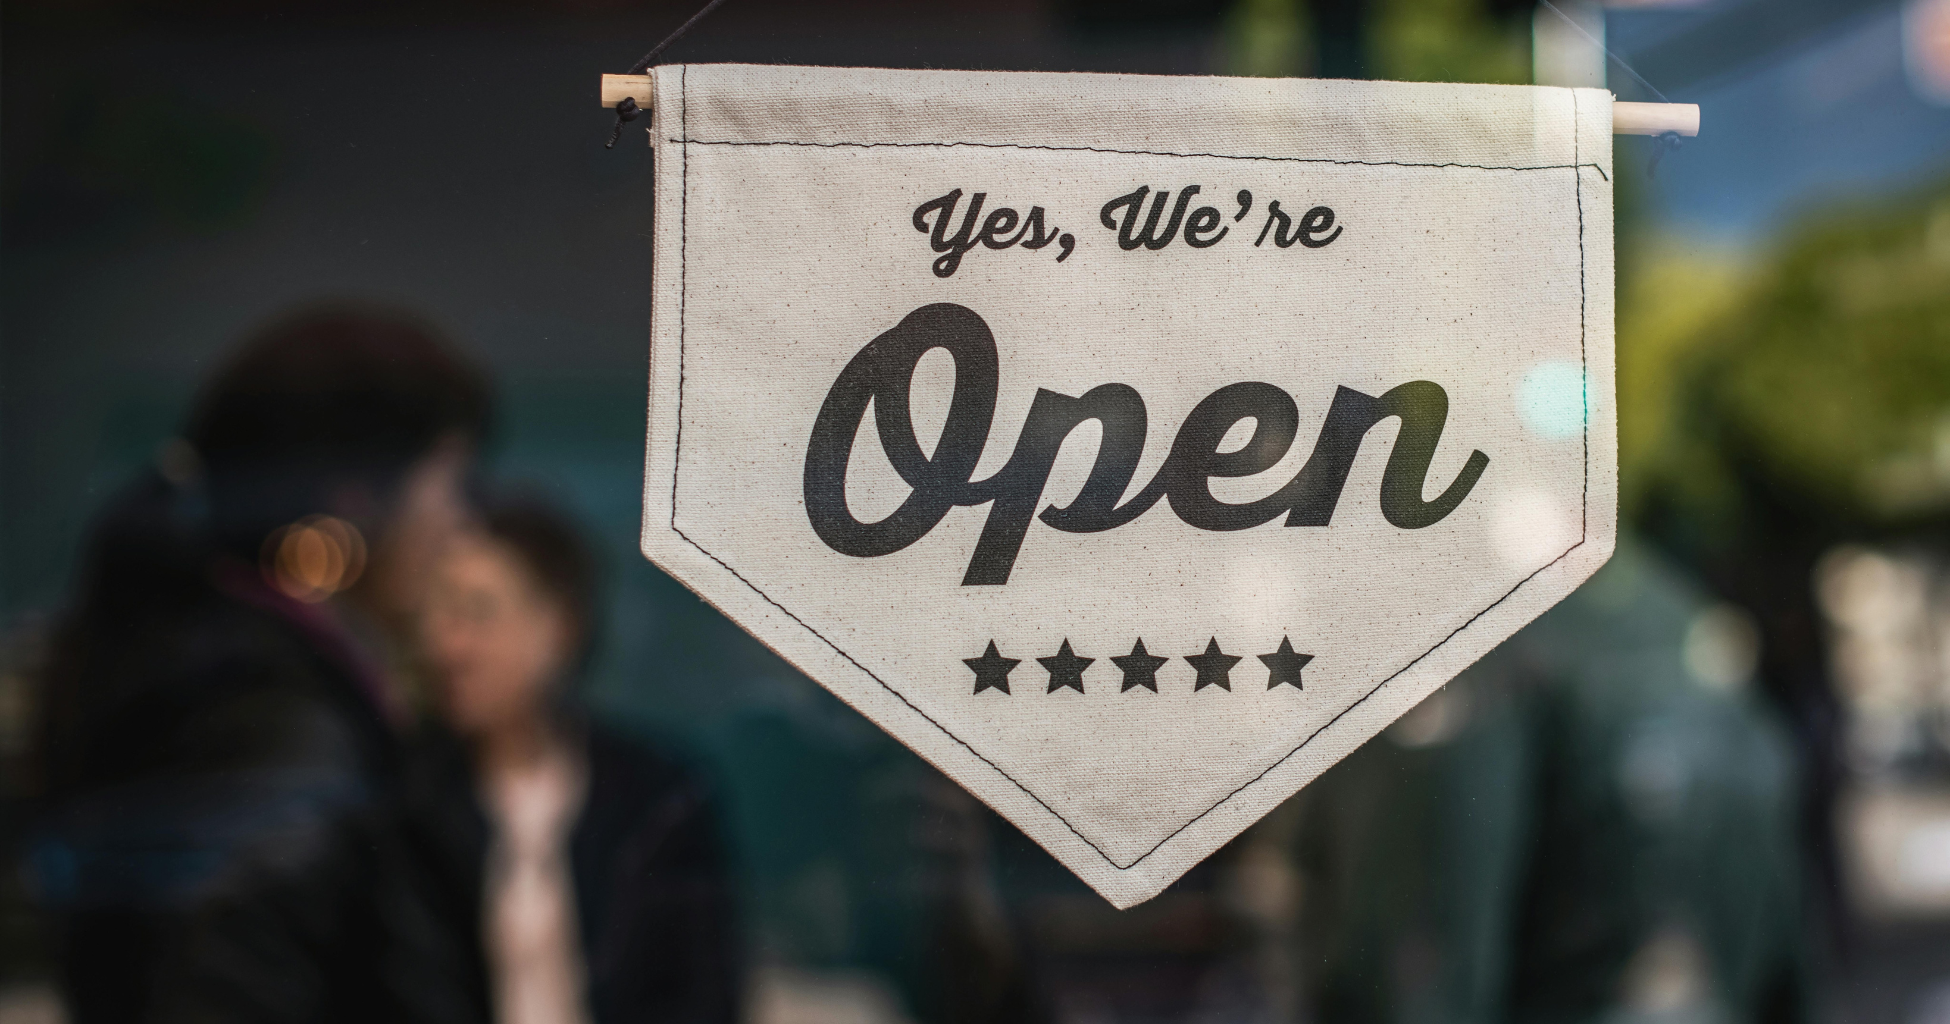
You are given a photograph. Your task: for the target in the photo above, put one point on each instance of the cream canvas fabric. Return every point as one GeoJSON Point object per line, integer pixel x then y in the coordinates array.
{"type": "Point", "coordinates": [1132, 448]}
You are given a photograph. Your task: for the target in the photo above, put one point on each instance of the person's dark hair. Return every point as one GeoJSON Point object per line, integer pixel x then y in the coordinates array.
{"type": "Point", "coordinates": [552, 549]}
{"type": "Point", "coordinates": [326, 397]}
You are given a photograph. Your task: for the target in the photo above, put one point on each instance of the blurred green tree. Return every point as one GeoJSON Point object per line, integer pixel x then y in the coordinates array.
{"type": "Point", "coordinates": [1817, 388]}
{"type": "Point", "coordinates": [1450, 41]}
{"type": "Point", "coordinates": [1771, 413]}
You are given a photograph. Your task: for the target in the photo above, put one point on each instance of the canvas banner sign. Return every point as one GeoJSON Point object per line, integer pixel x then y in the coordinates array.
{"type": "Point", "coordinates": [1132, 448]}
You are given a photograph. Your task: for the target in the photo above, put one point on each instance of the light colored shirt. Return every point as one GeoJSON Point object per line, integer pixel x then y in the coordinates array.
{"type": "Point", "coordinates": [533, 949]}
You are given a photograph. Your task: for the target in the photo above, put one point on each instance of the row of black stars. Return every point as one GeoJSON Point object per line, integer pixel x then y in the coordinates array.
{"type": "Point", "coordinates": [1140, 667]}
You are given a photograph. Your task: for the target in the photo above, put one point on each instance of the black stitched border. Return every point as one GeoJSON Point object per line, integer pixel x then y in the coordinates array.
{"type": "Point", "coordinates": [683, 279]}
{"type": "Point", "coordinates": [1134, 152]}
{"type": "Point", "coordinates": [1584, 361]}
{"type": "Point", "coordinates": [677, 453]}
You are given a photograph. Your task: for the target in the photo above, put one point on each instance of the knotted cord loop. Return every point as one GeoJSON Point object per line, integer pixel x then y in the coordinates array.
{"type": "Point", "coordinates": [626, 111]}
{"type": "Point", "coordinates": [1666, 142]}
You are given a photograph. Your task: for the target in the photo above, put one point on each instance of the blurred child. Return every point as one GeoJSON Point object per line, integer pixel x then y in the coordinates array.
{"type": "Point", "coordinates": [587, 866]}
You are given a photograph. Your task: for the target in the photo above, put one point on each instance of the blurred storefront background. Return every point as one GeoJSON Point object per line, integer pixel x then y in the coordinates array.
{"type": "Point", "coordinates": [1713, 786]}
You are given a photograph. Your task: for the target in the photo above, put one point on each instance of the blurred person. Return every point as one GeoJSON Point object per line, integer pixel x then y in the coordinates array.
{"type": "Point", "coordinates": [1585, 826]}
{"type": "Point", "coordinates": [220, 735]}
{"type": "Point", "coordinates": [586, 869]}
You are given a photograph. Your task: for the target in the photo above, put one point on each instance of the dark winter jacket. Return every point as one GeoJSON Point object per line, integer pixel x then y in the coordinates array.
{"type": "Point", "coordinates": [654, 904]}
{"type": "Point", "coordinates": [234, 830]}
{"type": "Point", "coordinates": [212, 745]}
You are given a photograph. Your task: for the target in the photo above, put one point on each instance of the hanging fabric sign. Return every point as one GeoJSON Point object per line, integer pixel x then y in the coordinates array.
{"type": "Point", "coordinates": [1132, 448]}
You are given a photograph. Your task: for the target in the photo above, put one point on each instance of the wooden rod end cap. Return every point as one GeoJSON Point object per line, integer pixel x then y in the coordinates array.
{"type": "Point", "coordinates": [636, 87]}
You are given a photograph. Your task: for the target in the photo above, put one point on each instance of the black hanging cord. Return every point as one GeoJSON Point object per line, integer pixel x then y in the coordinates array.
{"type": "Point", "coordinates": [626, 109]}
{"type": "Point", "coordinates": [656, 51]}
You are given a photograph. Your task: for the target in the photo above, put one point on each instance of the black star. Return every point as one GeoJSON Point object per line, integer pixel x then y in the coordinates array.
{"type": "Point", "coordinates": [1140, 667]}
{"type": "Point", "coordinates": [1065, 668]}
{"type": "Point", "coordinates": [1285, 665]}
{"type": "Point", "coordinates": [1214, 667]}
{"type": "Point", "coordinates": [991, 669]}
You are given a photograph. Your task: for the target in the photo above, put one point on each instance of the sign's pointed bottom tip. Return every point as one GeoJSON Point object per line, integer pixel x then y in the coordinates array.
{"type": "Point", "coordinates": [1126, 896]}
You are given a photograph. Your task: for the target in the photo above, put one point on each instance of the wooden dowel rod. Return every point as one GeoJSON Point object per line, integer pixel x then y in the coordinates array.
{"type": "Point", "coordinates": [1654, 118]}
{"type": "Point", "coordinates": [637, 87]}
{"type": "Point", "coordinates": [1626, 118]}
